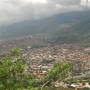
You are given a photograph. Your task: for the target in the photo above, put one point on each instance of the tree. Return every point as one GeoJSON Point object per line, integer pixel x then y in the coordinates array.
{"type": "Point", "coordinates": [15, 51]}
{"type": "Point", "coordinates": [12, 73]}
{"type": "Point", "coordinates": [60, 71]}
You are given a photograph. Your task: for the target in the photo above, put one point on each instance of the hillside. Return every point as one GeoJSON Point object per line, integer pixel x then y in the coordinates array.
{"type": "Point", "coordinates": [77, 33]}
{"type": "Point", "coordinates": [71, 27]}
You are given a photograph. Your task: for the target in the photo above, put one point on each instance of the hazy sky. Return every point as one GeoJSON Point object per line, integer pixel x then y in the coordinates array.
{"type": "Point", "coordinates": [17, 10]}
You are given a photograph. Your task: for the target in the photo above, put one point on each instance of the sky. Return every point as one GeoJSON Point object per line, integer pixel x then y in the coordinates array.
{"type": "Point", "coordinates": [12, 11]}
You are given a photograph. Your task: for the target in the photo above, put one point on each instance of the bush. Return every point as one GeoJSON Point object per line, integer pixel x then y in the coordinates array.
{"type": "Point", "coordinates": [12, 73]}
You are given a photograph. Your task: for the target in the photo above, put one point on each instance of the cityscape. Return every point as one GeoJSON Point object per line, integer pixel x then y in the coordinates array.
{"type": "Point", "coordinates": [44, 44]}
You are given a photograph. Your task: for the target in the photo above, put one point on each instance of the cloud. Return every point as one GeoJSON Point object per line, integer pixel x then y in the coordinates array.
{"type": "Point", "coordinates": [34, 1]}
{"type": "Point", "coordinates": [85, 3]}
{"type": "Point", "coordinates": [17, 10]}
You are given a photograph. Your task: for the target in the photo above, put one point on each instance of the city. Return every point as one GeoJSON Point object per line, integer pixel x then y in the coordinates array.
{"type": "Point", "coordinates": [44, 44]}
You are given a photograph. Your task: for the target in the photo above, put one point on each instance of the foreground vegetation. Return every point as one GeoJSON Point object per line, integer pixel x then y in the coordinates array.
{"type": "Point", "coordinates": [12, 72]}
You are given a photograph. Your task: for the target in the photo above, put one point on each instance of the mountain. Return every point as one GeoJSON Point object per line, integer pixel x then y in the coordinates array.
{"type": "Point", "coordinates": [71, 27]}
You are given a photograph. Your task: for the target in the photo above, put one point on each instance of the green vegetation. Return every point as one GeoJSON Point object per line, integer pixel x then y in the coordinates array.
{"type": "Point", "coordinates": [12, 73]}
{"type": "Point", "coordinates": [59, 72]}
{"type": "Point", "coordinates": [15, 52]}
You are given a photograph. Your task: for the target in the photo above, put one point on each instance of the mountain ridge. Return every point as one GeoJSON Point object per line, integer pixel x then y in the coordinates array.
{"type": "Point", "coordinates": [69, 27]}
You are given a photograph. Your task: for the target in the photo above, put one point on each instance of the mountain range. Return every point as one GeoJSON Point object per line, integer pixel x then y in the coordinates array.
{"type": "Point", "coordinates": [70, 27]}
